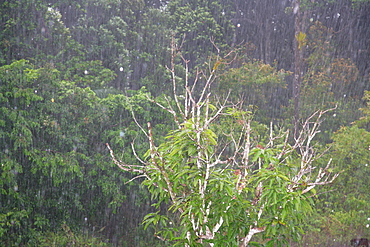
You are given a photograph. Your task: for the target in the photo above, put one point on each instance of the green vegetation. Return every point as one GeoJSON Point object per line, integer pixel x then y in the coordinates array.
{"type": "Point", "coordinates": [216, 81]}
{"type": "Point", "coordinates": [223, 193]}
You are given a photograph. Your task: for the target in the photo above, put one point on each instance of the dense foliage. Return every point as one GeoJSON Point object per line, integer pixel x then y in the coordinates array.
{"type": "Point", "coordinates": [75, 75]}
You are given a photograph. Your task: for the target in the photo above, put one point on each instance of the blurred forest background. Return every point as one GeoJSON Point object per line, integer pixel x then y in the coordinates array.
{"type": "Point", "coordinates": [71, 72]}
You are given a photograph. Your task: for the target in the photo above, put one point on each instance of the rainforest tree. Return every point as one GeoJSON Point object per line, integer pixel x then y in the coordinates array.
{"type": "Point", "coordinates": [223, 179]}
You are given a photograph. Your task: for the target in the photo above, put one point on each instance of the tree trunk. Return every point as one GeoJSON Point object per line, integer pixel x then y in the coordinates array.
{"type": "Point", "coordinates": [298, 63]}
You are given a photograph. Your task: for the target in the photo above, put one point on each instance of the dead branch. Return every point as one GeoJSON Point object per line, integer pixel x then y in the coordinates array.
{"type": "Point", "coordinates": [124, 166]}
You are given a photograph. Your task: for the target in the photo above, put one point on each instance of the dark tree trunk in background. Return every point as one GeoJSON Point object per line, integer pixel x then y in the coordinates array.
{"type": "Point", "coordinates": [298, 49]}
